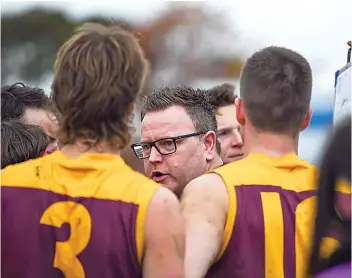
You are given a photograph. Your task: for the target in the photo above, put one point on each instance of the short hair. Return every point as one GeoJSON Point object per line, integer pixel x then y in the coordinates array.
{"type": "Point", "coordinates": [194, 101]}
{"type": "Point", "coordinates": [336, 165]}
{"type": "Point", "coordinates": [17, 97]}
{"type": "Point", "coordinates": [222, 95]}
{"type": "Point", "coordinates": [98, 74]}
{"type": "Point", "coordinates": [276, 87]}
{"type": "Point", "coordinates": [21, 142]}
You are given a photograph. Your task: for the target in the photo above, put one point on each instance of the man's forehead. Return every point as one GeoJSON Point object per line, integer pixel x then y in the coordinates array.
{"type": "Point", "coordinates": [42, 118]}
{"type": "Point", "coordinates": [226, 116]}
{"type": "Point", "coordinates": [35, 116]}
{"type": "Point", "coordinates": [226, 110]}
{"type": "Point", "coordinates": [170, 122]}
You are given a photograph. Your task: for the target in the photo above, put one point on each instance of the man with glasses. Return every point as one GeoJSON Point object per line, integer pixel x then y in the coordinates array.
{"type": "Point", "coordinates": [179, 136]}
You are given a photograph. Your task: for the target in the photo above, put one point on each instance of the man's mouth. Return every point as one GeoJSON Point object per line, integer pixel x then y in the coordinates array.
{"type": "Point", "coordinates": [236, 156]}
{"type": "Point", "coordinates": [158, 176]}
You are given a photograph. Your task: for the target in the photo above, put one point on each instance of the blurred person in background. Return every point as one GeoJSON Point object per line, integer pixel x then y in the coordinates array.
{"type": "Point", "coordinates": [333, 211]}
{"type": "Point", "coordinates": [251, 217]}
{"type": "Point", "coordinates": [223, 100]}
{"type": "Point", "coordinates": [31, 105]}
{"type": "Point", "coordinates": [21, 142]}
{"type": "Point", "coordinates": [81, 211]}
{"type": "Point", "coordinates": [178, 136]}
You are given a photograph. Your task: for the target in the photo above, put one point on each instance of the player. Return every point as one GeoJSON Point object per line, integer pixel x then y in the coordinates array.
{"type": "Point", "coordinates": [82, 212]}
{"type": "Point", "coordinates": [333, 210]}
{"type": "Point", "coordinates": [252, 217]}
{"type": "Point", "coordinates": [178, 136]}
{"type": "Point", "coordinates": [30, 105]}
{"type": "Point", "coordinates": [222, 98]}
{"type": "Point", "coordinates": [21, 142]}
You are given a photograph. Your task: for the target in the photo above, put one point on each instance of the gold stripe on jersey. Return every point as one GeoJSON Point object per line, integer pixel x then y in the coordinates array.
{"type": "Point", "coordinates": [257, 169]}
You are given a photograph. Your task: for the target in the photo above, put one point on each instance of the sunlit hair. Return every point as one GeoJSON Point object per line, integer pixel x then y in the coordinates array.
{"type": "Point", "coordinates": [16, 98]}
{"type": "Point", "coordinates": [194, 101]}
{"type": "Point", "coordinates": [21, 142]}
{"type": "Point", "coordinates": [98, 74]}
{"type": "Point", "coordinates": [222, 95]}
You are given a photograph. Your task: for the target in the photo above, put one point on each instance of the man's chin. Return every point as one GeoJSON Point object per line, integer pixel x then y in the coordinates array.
{"type": "Point", "coordinates": [233, 158]}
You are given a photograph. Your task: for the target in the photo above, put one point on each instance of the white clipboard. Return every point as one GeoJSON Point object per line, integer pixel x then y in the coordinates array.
{"type": "Point", "coordinates": [343, 92]}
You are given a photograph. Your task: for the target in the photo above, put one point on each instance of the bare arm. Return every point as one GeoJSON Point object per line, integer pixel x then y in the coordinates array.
{"type": "Point", "coordinates": [204, 207]}
{"type": "Point", "coordinates": [164, 237]}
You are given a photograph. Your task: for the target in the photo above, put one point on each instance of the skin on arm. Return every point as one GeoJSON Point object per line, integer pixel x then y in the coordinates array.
{"type": "Point", "coordinates": [204, 205]}
{"type": "Point", "coordinates": [164, 237]}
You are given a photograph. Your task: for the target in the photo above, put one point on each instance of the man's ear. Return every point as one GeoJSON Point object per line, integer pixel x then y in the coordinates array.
{"type": "Point", "coordinates": [307, 119]}
{"type": "Point", "coordinates": [210, 145]}
{"type": "Point", "coordinates": [240, 116]}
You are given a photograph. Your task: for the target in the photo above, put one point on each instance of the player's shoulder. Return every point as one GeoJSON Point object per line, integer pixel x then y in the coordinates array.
{"type": "Point", "coordinates": [208, 179]}
{"type": "Point", "coordinates": [22, 174]}
{"type": "Point", "coordinates": [288, 172]}
{"type": "Point", "coordinates": [210, 185]}
{"type": "Point", "coordinates": [163, 198]}
{"type": "Point", "coordinates": [132, 178]}
{"type": "Point", "coordinates": [234, 172]}
{"type": "Point", "coordinates": [125, 184]}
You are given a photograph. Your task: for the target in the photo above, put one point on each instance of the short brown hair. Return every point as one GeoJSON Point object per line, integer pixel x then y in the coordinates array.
{"type": "Point", "coordinates": [21, 142]}
{"type": "Point", "coordinates": [98, 74]}
{"type": "Point", "coordinates": [194, 101]}
{"type": "Point", "coordinates": [222, 95]}
{"type": "Point", "coordinates": [276, 87]}
{"type": "Point", "coordinates": [16, 98]}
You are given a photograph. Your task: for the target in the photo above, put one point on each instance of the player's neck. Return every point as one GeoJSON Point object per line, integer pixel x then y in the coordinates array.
{"type": "Point", "coordinates": [215, 163]}
{"type": "Point", "coordinates": [275, 145]}
{"type": "Point", "coordinates": [78, 148]}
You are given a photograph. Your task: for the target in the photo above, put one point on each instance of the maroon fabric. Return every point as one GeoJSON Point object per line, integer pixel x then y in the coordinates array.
{"type": "Point", "coordinates": [340, 271]}
{"type": "Point", "coordinates": [245, 253]}
{"type": "Point", "coordinates": [28, 247]}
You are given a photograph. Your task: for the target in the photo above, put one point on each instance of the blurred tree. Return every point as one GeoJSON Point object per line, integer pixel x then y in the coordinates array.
{"type": "Point", "coordinates": [187, 43]}
{"type": "Point", "coordinates": [183, 44]}
{"type": "Point", "coordinates": [29, 42]}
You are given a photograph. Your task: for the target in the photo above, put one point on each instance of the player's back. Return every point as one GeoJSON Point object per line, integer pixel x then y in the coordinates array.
{"type": "Point", "coordinates": [269, 223]}
{"type": "Point", "coordinates": [79, 217]}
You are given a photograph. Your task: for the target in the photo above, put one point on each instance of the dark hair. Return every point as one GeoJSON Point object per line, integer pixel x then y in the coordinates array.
{"type": "Point", "coordinates": [222, 95]}
{"type": "Point", "coordinates": [98, 74]}
{"type": "Point", "coordinates": [21, 142]}
{"type": "Point", "coordinates": [194, 101]}
{"type": "Point", "coordinates": [17, 97]}
{"type": "Point", "coordinates": [336, 165]}
{"type": "Point", "coordinates": [276, 87]}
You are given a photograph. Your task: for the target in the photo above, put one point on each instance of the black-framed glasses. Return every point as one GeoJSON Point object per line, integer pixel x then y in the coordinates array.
{"type": "Point", "coordinates": [164, 146]}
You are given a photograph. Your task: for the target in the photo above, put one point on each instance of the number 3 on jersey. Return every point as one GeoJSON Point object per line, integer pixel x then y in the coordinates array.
{"type": "Point", "coordinates": [78, 217]}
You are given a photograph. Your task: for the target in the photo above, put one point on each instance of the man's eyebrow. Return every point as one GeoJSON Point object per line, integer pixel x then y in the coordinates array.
{"type": "Point", "coordinates": [161, 138]}
{"type": "Point", "coordinates": [228, 128]}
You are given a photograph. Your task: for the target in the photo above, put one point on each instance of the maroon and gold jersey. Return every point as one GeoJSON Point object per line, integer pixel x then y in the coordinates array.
{"type": "Point", "coordinates": [80, 217]}
{"type": "Point", "coordinates": [268, 232]}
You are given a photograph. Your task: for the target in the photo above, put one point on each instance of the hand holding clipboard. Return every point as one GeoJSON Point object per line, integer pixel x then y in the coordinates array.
{"type": "Point", "coordinates": [343, 89]}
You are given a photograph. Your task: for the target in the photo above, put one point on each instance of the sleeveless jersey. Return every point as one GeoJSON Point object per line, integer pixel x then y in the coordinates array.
{"type": "Point", "coordinates": [270, 220]}
{"type": "Point", "coordinates": [77, 218]}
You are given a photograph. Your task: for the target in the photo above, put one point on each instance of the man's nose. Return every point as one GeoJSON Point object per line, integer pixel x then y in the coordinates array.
{"type": "Point", "coordinates": [237, 139]}
{"type": "Point", "coordinates": [155, 156]}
